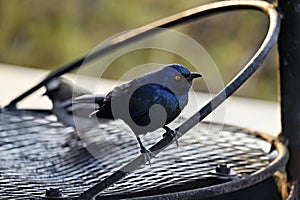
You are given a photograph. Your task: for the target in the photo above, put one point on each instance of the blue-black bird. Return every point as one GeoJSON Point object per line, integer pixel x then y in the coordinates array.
{"type": "Point", "coordinates": [61, 93]}
{"type": "Point", "coordinates": [148, 102]}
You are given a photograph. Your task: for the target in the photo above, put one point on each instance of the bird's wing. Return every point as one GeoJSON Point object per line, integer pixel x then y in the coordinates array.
{"type": "Point", "coordinates": [120, 91]}
{"type": "Point", "coordinates": [124, 88]}
{"type": "Point", "coordinates": [147, 96]}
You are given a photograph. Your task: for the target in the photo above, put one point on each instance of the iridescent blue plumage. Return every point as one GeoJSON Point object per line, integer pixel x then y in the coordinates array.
{"type": "Point", "coordinates": [132, 101]}
{"type": "Point", "coordinates": [148, 95]}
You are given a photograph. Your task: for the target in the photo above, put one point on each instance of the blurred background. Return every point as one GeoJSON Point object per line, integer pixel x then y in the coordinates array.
{"type": "Point", "coordinates": [48, 34]}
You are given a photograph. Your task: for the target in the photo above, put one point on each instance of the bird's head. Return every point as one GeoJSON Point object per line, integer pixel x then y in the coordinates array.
{"type": "Point", "coordinates": [178, 78]}
{"type": "Point", "coordinates": [59, 89]}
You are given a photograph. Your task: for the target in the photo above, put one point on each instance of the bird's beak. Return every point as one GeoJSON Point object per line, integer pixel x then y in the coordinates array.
{"type": "Point", "coordinates": [195, 75]}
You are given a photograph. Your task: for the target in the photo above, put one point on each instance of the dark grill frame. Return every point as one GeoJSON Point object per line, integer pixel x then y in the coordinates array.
{"type": "Point", "coordinates": [249, 69]}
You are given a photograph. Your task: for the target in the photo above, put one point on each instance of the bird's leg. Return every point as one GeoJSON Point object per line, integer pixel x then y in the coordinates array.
{"type": "Point", "coordinates": [144, 151]}
{"type": "Point", "coordinates": [171, 132]}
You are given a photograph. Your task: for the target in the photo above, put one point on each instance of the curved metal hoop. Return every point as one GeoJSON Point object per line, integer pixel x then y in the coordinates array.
{"type": "Point", "coordinates": [253, 64]}
{"type": "Point", "coordinates": [137, 34]}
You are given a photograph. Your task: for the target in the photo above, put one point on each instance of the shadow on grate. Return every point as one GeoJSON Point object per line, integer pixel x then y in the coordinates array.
{"type": "Point", "coordinates": [38, 153]}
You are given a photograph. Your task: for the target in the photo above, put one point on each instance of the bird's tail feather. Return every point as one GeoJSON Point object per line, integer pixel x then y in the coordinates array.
{"type": "Point", "coordinates": [89, 98]}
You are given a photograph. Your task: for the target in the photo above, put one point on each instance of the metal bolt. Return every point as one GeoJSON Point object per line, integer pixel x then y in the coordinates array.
{"type": "Point", "coordinates": [223, 169]}
{"type": "Point", "coordinates": [53, 192]}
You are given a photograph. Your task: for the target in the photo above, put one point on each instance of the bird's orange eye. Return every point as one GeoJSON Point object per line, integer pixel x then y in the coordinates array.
{"type": "Point", "coordinates": [177, 77]}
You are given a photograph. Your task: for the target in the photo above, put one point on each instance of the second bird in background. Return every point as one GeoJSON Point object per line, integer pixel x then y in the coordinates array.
{"type": "Point", "coordinates": [61, 93]}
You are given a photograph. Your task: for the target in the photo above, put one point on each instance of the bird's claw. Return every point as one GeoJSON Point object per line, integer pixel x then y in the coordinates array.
{"type": "Point", "coordinates": [171, 132]}
{"type": "Point", "coordinates": [146, 153]}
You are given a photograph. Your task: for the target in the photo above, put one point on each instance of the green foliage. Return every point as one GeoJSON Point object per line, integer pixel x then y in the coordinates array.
{"type": "Point", "coordinates": [47, 34]}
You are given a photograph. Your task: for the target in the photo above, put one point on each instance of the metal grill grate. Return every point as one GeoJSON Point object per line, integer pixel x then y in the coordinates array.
{"type": "Point", "coordinates": [36, 153]}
